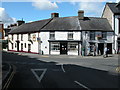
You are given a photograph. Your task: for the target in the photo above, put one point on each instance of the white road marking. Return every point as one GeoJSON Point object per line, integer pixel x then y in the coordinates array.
{"type": "Point", "coordinates": [41, 76]}
{"type": "Point", "coordinates": [81, 85]}
{"type": "Point", "coordinates": [62, 68]}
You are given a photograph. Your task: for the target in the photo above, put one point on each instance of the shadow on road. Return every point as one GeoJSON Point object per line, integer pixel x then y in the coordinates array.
{"type": "Point", "coordinates": [91, 78]}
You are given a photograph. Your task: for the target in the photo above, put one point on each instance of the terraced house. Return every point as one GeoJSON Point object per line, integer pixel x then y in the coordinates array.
{"type": "Point", "coordinates": [112, 13]}
{"type": "Point", "coordinates": [62, 35]}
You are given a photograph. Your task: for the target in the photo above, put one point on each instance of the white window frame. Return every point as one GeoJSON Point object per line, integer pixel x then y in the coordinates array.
{"type": "Point", "coordinates": [70, 35]}
{"type": "Point", "coordinates": [55, 44]}
{"type": "Point", "coordinates": [71, 45]}
{"type": "Point", "coordinates": [52, 36]}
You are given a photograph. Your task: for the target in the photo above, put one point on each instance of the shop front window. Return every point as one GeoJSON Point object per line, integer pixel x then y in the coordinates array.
{"type": "Point", "coordinates": [55, 46]}
{"type": "Point", "coordinates": [72, 46]}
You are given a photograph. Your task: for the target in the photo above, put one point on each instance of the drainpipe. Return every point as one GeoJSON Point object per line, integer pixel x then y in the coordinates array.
{"type": "Point", "coordinates": [114, 33]}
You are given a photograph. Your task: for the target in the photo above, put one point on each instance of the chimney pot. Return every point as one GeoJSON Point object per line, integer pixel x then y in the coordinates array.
{"type": "Point", "coordinates": [81, 14]}
{"type": "Point", "coordinates": [20, 22]}
{"type": "Point", "coordinates": [53, 15]}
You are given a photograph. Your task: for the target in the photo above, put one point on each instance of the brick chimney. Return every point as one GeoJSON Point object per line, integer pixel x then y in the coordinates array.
{"type": "Point", "coordinates": [20, 22]}
{"type": "Point", "coordinates": [53, 15]}
{"type": "Point", "coordinates": [80, 14]}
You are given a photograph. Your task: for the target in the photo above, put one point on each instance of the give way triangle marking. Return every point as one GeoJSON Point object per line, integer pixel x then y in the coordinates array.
{"type": "Point", "coordinates": [38, 74]}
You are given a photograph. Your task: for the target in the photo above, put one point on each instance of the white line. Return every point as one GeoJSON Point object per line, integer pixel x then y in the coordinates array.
{"type": "Point", "coordinates": [39, 78]}
{"type": "Point", "coordinates": [81, 85]}
{"type": "Point", "coordinates": [62, 68]}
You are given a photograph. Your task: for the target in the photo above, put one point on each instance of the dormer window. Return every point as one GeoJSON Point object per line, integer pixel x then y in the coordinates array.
{"type": "Point", "coordinates": [70, 35]}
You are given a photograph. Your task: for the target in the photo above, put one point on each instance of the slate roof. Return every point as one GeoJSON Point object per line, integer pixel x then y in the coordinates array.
{"type": "Point", "coordinates": [65, 23]}
{"type": "Point", "coordinates": [95, 23]}
{"type": "Point", "coordinates": [115, 7]}
{"type": "Point", "coordinates": [30, 27]}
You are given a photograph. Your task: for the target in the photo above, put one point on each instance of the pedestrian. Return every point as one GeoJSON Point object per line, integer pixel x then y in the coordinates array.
{"type": "Point", "coordinates": [83, 49]}
{"type": "Point", "coordinates": [88, 51]}
{"type": "Point", "coordinates": [94, 50]}
{"type": "Point", "coordinates": [105, 52]}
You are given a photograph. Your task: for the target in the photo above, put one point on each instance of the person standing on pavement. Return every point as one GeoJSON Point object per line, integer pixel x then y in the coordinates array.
{"type": "Point", "coordinates": [83, 49]}
{"type": "Point", "coordinates": [94, 50]}
{"type": "Point", "coordinates": [105, 52]}
{"type": "Point", "coordinates": [88, 51]}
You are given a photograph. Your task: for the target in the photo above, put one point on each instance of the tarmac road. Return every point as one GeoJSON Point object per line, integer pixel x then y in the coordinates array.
{"type": "Point", "coordinates": [36, 73]}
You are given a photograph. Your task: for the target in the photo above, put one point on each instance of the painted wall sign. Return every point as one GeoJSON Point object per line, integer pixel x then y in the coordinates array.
{"type": "Point", "coordinates": [34, 37]}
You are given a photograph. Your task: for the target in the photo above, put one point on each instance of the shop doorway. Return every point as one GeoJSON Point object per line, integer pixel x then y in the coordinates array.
{"type": "Point", "coordinates": [109, 46]}
{"type": "Point", "coordinates": [17, 45]}
{"type": "Point", "coordinates": [63, 48]}
{"type": "Point", "coordinates": [100, 48]}
{"type": "Point", "coordinates": [21, 46]}
{"type": "Point", "coordinates": [29, 47]}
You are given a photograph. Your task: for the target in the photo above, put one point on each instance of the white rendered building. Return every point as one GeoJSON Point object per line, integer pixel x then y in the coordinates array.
{"type": "Point", "coordinates": [62, 35]}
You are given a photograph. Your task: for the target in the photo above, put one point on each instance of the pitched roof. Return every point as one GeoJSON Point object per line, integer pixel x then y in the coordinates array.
{"type": "Point", "coordinates": [95, 23]}
{"type": "Point", "coordinates": [30, 27]}
{"type": "Point", "coordinates": [115, 7]}
{"type": "Point", "coordinates": [65, 23]}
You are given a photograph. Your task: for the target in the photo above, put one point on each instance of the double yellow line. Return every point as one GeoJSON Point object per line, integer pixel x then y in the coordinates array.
{"type": "Point", "coordinates": [9, 79]}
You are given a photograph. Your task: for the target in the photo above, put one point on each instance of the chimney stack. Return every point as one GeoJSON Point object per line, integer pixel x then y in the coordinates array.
{"type": "Point", "coordinates": [80, 14]}
{"type": "Point", "coordinates": [53, 15]}
{"type": "Point", "coordinates": [20, 22]}
{"type": "Point", "coordinates": [118, 5]}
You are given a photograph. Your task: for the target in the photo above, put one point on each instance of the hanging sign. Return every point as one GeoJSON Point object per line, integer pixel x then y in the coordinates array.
{"type": "Point", "coordinates": [34, 37]}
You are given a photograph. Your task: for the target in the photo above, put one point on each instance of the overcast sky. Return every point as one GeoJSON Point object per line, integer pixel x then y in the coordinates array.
{"type": "Point", "coordinates": [33, 10]}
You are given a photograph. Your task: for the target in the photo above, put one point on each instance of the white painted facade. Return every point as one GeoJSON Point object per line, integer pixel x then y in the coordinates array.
{"type": "Point", "coordinates": [44, 44]}
{"type": "Point", "coordinates": [41, 46]}
{"type": "Point", "coordinates": [87, 42]}
{"type": "Point", "coordinates": [23, 44]}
